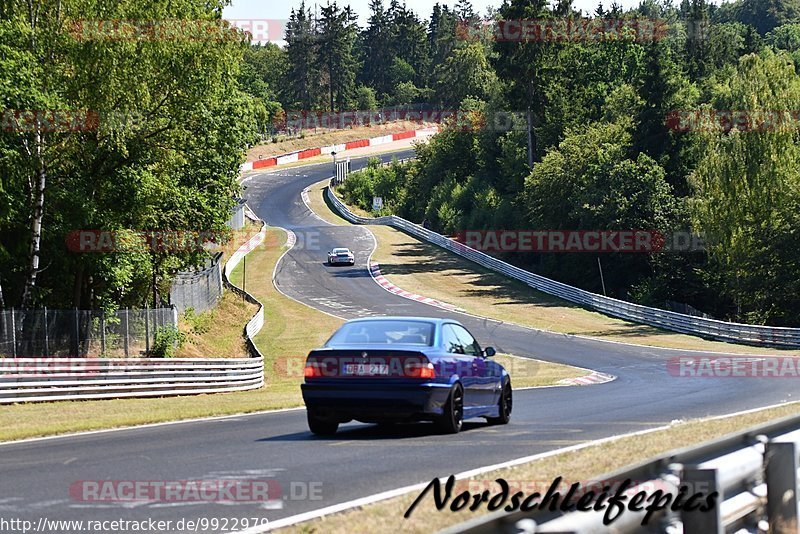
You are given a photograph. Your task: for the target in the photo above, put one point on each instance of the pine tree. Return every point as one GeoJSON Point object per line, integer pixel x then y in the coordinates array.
{"type": "Point", "coordinates": [336, 33]}
{"type": "Point", "coordinates": [524, 65]}
{"type": "Point", "coordinates": [697, 39]}
{"type": "Point", "coordinates": [376, 46]}
{"type": "Point", "coordinates": [303, 74]}
{"type": "Point", "coordinates": [409, 41]}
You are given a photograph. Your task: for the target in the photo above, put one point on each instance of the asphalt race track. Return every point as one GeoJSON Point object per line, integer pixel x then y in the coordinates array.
{"type": "Point", "coordinates": [361, 460]}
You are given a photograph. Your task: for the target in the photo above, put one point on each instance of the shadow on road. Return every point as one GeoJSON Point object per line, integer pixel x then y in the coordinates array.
{"type": "Point", "coordinates": [364, 432]}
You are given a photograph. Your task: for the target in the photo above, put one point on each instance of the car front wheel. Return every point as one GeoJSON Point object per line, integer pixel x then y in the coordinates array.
{"type": "Point", "coordinates": [321, 427]}
{"type": "Point", "coordinates": [504, 407]}
{"type": "Point", "coordinates": [452, 419]}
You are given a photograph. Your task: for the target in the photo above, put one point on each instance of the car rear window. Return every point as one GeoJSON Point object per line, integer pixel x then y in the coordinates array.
{"type": "Point", "coordinates": [383, 333]}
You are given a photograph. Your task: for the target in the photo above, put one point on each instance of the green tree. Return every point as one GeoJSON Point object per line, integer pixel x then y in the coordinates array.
{"type": "Point", "coordinates": [366, 99]}
{"type": "Point", "coordinates": [524, 66]}
{"type": "Point", "coordinates": [161, 149]}
{"type": "Point", "coordinates": [747, 192]}
{"type": "Point", "coordinates": [409, 41]}
{"type": "Point", "coordinates": [587, 183]}
{"type": "Point", "coordinates": [376, 43]}
{"type": "Point", "coordinates": [465, 73]}
{"type": "Point", "coordinates": [337, 33]}
{"type": "Point", "coordinates": [765, 15]}
{"type": "Point", "coordinates": [303, 71]}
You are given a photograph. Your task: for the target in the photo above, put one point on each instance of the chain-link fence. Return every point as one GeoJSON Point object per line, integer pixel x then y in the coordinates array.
{"type": "Point", "coordinates": [199, 289]}
{"type": "Point", "coordinates": [81, 333]}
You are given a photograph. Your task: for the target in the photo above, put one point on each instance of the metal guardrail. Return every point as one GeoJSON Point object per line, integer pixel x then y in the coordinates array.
{"type": "Point", "coordinates": [768, 336]}
{"type": "Point", "coordinates": [256, 323]}
{"type": "Point", "coordinates": [54, 379]}
{"type": "Point", "coordinates": [754, 471]}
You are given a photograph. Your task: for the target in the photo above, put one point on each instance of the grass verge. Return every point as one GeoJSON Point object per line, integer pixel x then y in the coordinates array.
{"type": "Point", "coordinates": [422, 268]}
{"type": "Point", "coordinates": [574, 466]}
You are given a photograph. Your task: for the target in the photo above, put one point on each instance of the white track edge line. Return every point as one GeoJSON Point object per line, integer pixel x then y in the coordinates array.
{"type": "Point", "coordinates": [371, 499]}
{"type": "Point", "coordinates": [149, 425]}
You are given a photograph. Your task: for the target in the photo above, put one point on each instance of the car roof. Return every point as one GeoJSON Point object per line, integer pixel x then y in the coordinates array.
{"type": "Point", "coordinates": [433, 320]}
{"type": "Point", "coordinates": [340, 248]}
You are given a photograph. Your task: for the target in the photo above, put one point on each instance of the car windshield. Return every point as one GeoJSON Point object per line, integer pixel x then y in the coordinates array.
{"type": "Point", "coordinates": [340, 251]}
{"type": "Point", "coordinates": [383, 333]}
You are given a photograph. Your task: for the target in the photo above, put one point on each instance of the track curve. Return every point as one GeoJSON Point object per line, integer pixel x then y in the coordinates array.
{"type": "Point", "coordinates": [361, 460]}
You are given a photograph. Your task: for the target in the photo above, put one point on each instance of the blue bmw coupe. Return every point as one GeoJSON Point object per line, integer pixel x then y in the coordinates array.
{"type": "Point", "coordinates": [394, 369]}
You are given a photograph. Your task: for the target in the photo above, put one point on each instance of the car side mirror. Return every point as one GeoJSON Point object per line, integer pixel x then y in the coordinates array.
{"type": "Point", "coordinates": [489, 352]}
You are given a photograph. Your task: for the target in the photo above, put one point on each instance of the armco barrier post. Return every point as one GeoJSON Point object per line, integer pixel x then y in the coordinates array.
{"type": "Point", "coordinates": [708, 522]}
{"type": "Point", "coordinates": [146, 329]}
{"type": "Point", "coordinates": [125, 342]}
{"type": "Point", "coordinates": [102, 331]}
{"type": "Point", "coordinates": [77, 345]}
{"type": "Point", "coordinates": [46, 339]}
{"type": "Point", "coordinates": [781, 474]}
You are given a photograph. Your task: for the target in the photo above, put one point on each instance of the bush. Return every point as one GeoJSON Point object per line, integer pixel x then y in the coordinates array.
{"type": "Point", "coordinates": [168, 339]}
{"type": "Point", "coordinates": [201, 323]}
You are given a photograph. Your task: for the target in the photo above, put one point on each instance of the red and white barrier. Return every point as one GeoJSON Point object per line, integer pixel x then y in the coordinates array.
{"type": "Point", "coordinates": [293, 157]}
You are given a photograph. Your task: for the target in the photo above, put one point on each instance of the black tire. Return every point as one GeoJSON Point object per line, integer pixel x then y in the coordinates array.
{"type": "Point", "coordinates": [452, 419]}
{"type": "Point", "coordinates": [504, 405]}
{"type": "Point", "coordinates": [321, 427]}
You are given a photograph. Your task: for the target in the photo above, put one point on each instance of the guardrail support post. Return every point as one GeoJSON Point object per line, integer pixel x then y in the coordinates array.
{"type": "Point", "coordinates": [46, 340]}
{"type": "Point", "coordinates": [125, 343]}
{"type": "Point", "coordinates": [697, 522]}
{"type": "Point", "coordinates": [13, 335]}
{"type": "Point", "coordinates": [77, 335]}
{"type": "Point", "coordinates": [781, 472]}
{"type": "Point", "coordinates": [146, 329]}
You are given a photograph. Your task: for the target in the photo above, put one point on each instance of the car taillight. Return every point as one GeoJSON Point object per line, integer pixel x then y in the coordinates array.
{"type": "Point", "coordinates": [312, 370]}
{"type": "Point", "coordinates": [420, 370]}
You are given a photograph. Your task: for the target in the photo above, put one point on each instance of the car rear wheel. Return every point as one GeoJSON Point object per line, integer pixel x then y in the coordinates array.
{"type": "Point", "coordinates": [504, 407]}
{"type": "Point", "coordinates": [321, 427]}
{"type": "Point", "coordinates": [452, 419]}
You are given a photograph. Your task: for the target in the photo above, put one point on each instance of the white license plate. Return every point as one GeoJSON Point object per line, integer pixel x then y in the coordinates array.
{"type": "Point", "coordinates": [366, 369]}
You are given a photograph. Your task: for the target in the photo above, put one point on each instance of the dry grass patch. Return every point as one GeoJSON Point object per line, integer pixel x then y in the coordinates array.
{"type": "Point", "coordinates": [217, 333]}
{"type": "Point", "coordinates": [428, 270]}
{"type": "Point", "coordinates": [574, 466]}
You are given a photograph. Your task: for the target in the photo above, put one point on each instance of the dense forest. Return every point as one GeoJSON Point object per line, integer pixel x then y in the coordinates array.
{"type": "Point", "coordinates": [601, 138]}
{"type": "Point", "coordinates": [119, 132]}
{"type": "Point", "coordinates": [608, 150]}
